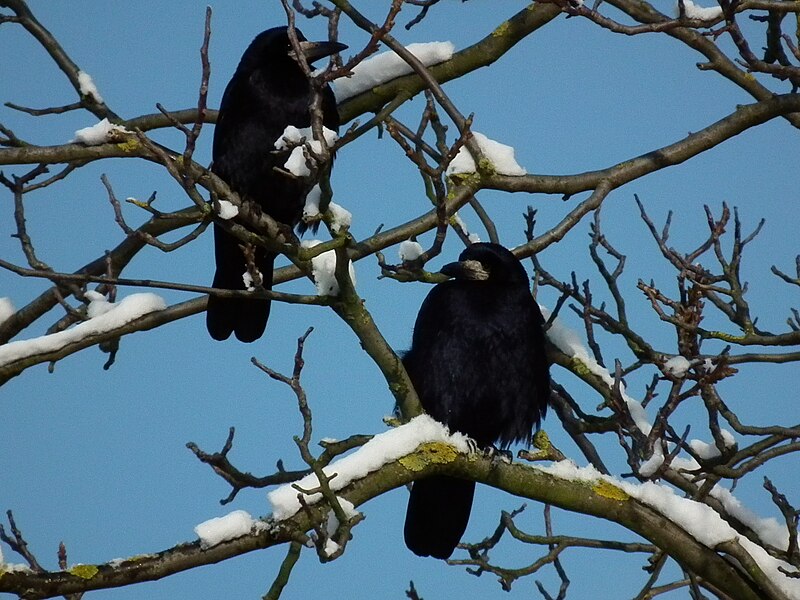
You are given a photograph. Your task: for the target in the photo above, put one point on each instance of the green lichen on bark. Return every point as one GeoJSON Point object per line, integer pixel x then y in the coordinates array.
{"type": "Point", "coordinates": [84, 571]}
{"type": "Point", "coordinates": [429, 453]}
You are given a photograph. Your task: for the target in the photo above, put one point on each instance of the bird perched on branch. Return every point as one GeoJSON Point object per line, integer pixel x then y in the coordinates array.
{"type": "Point", "coordinates": [267, 93]}
{"type": "Point", "coordinates": [478, 363]}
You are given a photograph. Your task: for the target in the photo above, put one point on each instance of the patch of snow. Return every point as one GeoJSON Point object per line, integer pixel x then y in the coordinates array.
{"type": "Point", "coordinates": [323, 269]}
{"type": "Point", "coordinates": [678, 463]}
{"type": "Point", "coordinates": [727, 438]}
{"type": "Point", "coordinates": [694, 11]}
{"type": "Point", "coordinates": [6, 309]}
{"type": "Point", "coordinates": [500, 155]}
{"type": "Point", "coordinates": [681, 464]}
{"type": "Point", "coordinates": [770, 530]}
{"type": "Point", "coordinates": [311, 208]}
{"type": "Point", "coordinates": [87, 87]}
{"type": "Point", "coordinates": [380, 450]}
{"type": "Point", "coordinates": [459, 222]}
{"type": "Point", "coordinates": [341, 218]}
{"type": "Point", "coordinates": [387, 66]}
{"type": "Point", "coordinates": [332, 523]}
{"type": "Point", "coordinates": [330, 547]}
{"type": "Point", "coordinates": [566, 340]}
{"type": "Point", "coordinates": [708, 365]}
{"type": "Point", "coordinates": [119, 314]}
{"type": "Point", "coordinates": [410, 250]}
{"type": "Point", "coordinates": [651, 465]}
{"type": "Point", "coordinates": [677, 366]}
{"type": "Point", "coordinates": [227, 210]}
{"type": "Point", "coordinates": [247, 279]}
{"type": "Point", "coordinates": [97, 134]}
{"type": "Point", "coordinates": [98, 304]}
{"type": "Point", "coordinates": [703, 449]}
{"type": "Point", "coordinates": [295, 138]}
{"type": "Point", "coordinates": [221, 529]}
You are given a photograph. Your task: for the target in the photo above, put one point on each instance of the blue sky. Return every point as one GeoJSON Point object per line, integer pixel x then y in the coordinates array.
{"type": "Point", "coordinates": [97, 459]}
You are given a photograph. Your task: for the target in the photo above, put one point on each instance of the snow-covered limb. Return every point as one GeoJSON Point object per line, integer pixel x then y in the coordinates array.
{"type": "Point", "coordinates": [97, 134]}
{"type": "Point", "coordinates": [698, 519]}
{"type": "Point", "coordinates": [106, 317]}
{"type": "Point", "coordinates": [563, 485]}
{"type": "Point", "coordinates": [323, 269]}
{"type": "Point", "coordinates": [231, 526]}
{"type": "Point", "coordinates": [382, 449]}
{"type": "Point", "coordinates": [500, 155]}
{"type": "Point", "coordinates": [387, 66]}
{"type": "Point", "coordinates": [694, 11]}
{"type": "Point", "coordinates": [566, 340]}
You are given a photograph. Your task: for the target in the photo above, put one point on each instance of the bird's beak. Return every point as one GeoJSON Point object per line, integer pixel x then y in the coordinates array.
{"type": "Point", "coordinates": [471, 270]}
{"type": "Point", "coordinates": [316, 50]}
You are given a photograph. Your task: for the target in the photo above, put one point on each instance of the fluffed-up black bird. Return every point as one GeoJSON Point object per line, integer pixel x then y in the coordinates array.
{"type": "Point", "coordinates": [267, 93]}
{"type": "Point", "coordinates": [478, 363]}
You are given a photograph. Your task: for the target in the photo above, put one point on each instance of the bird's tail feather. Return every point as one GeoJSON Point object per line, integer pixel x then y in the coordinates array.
{"type": "Point", "coordinates": [245, 318]}
{"type": "Point", "coordinates": [437, 515]}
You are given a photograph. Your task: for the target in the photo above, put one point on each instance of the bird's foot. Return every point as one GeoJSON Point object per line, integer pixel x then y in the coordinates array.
{"type": "Point", "coordinates": [472, 446]}
{"type": "Point", "coordinates": [498, 455]}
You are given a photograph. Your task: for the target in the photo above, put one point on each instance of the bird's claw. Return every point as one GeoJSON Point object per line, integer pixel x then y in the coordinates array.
{"type": "Point", "coordinates": [498, 455]}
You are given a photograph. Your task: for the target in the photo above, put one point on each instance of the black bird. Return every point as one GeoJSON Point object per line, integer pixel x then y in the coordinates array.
{"type": "Point", "coordinates": [267, 93]}
{"type": "Point", "coordinates": [478, 363]}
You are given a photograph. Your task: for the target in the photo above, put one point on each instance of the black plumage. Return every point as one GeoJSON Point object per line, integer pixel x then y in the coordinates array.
{"type": "Point", "coordinates": [268, 92]}
{"type": "Point", "coordinates": [477, 361]}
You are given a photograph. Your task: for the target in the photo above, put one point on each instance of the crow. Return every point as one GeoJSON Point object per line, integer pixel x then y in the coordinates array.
{"type": "Point", "coordinates": [477, 361]}
{"type": "Point", "coordinates": [268, 92]}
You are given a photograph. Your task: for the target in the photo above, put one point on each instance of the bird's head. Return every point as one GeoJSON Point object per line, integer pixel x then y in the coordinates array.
{"type": "Point", "coordinates": [274, 45]}
{"type": "Point", "coordinates": [487, 262]}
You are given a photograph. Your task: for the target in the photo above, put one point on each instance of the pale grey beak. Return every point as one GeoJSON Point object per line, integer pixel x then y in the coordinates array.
{"type": "Point", "coordinates": [316, 50]}
{"type": "Point", "coordinates": [466, 269]}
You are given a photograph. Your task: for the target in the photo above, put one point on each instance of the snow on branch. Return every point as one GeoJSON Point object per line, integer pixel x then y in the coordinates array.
{"type": "Point", "coordinates": [695, 11]}
{"type": "Point", "coordinates": [228, 527]}
{"type": "Point", "coordinates": [323, 269]}
{"type": "Point", "coordinates": [97, 134]}
{"type": "Point", "coordinates": [566, 340]}
{"type": "Point", "coordinates": [104, 317]}
{"type": "Point", "coordinates": [387, 66]}
{"type": "Point", "coordinates": [500, 155]}
{"type": "Point", "coordinates": [698, 519]}
{"type": "Point", "coordinates": [380, 450]}
{"type": "Point", "coordinates": [87, 87]}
